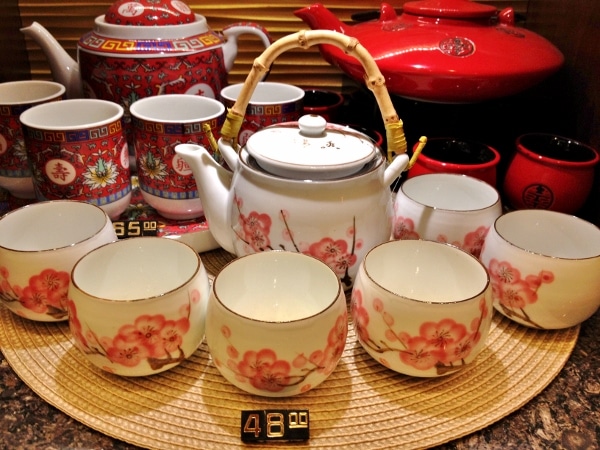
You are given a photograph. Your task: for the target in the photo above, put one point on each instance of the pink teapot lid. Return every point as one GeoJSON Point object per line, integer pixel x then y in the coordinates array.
{"type": "Point", "coordinates": [149, 13]}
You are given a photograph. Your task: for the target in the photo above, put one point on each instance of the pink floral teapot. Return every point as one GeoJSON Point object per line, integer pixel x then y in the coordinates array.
{"type": "Point", "coordinates": [305, 186]}
{"type": "Point", "coordinates": [141, 48]}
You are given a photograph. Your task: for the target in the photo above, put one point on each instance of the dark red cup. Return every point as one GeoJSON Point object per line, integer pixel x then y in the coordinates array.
{"type": "Point", "coordinates": [550, 172]}
{"type": "Point", "coordinates": [460, 156]}
{"type": "Point", "coordinates": [324, 103]}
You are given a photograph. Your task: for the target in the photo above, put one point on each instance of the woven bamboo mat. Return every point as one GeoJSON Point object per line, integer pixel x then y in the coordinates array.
{"type": "Point", "coordinates": [362, 403]}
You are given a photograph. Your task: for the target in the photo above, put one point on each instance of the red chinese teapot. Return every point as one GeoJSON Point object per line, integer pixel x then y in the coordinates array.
{"type": "Point", "coordinates": [143, 48]}
{"type": "Point", "coordinates": [443, 50]}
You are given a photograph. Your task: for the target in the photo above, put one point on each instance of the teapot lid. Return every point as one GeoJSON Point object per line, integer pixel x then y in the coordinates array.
{"type": "Point", "coordinates": [310, 149]}
{"type": "Point", "coordinates": [452, 9]}
{"type": "Point", "coordinates": [149, 13]}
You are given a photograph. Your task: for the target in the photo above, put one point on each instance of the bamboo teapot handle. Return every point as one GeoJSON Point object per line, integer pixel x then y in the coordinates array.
{"type": "Point", "coordinates": [396, 141]}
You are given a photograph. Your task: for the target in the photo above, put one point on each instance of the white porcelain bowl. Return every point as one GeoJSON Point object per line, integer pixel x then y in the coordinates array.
{"type": "Point", "coordinates": [422, 308]}
{"type": "Point", "coordinates": [276, 323]}
{"type": "Point", "coordinates": [544, 267]}
{"type": "Point", "coordinates": [137, 306]}
{"type": "Point", "coordinates": [443, 207]}
{"type": "Point", "coordinates": [39, 245]}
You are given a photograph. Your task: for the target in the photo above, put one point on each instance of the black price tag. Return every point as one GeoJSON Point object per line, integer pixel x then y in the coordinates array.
{"type": "Point", "coordinates": [275, 425]}
{"type": "Point", "coordinates": [135, 228]}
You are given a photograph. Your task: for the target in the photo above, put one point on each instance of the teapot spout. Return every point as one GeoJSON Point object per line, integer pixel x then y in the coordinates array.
{"type": "Point", "coordinates": [65, 69]}
{"type": "Point", "coordinates": [395, 168]}
{"type": "Point", "coordinates": [214, 186]}
{"type": "Point", "coordinates": [318, 16]}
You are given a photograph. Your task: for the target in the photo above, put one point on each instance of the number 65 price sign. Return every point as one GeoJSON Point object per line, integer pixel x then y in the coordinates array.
{"type": "Point", "coordinates": [275, 425]}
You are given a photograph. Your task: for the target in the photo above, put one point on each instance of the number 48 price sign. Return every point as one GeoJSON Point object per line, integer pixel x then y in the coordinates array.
{"type": "Point", "coordinates": [275, 425]}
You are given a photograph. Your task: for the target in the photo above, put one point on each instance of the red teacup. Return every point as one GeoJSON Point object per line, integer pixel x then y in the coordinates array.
{"type": "Point", "coordinates": [159, 124]}
{"type": "Point", "coordinates": [15, 98]}
{"type": "Point", "coordinates": [550, 172]}
{"type": "Point", "coordinates": [460, 156]}
{"type": "Point", "coordinates": [270, 103]}
{"type": "Point", "coordinates": [324, 103]}
{"type": "Point", "coordinates": [78, 151]}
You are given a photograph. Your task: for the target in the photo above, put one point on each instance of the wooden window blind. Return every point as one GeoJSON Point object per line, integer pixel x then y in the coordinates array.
{"type": "Point", "coordinates": [68, 20]}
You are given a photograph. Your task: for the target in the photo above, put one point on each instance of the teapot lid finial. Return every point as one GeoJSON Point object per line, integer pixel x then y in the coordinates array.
{"type": "Point", "coordinates": [455, 9]}
{"type": "Point", "coordinates": [312, 125]}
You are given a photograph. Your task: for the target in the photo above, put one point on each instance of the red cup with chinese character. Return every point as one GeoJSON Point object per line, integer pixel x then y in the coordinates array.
{"type": "Point", "coordinates": [159, 124]}
{"type": "Point", "coordinates": [270, 103]}
{"type": "Point", "coordinates": [78, 151]}
{"type": "Point", "coordinates": [461, 156]}
{"type": "Point", "coordinates": [15, 98]}
{"type": "Point", "coordinates": [550, 172]}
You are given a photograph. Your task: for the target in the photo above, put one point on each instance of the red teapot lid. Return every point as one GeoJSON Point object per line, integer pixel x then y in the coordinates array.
{"type": "Point", "coordinates": [452, 9]}
{"type": "Point", "coordinates": [149, 13]}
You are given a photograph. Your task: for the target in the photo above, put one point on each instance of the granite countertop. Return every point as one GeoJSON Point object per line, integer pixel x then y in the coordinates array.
{"type": "Point", "coordinates": [565, 415]}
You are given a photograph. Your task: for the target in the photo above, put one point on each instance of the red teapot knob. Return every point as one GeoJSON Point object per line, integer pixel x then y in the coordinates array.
{"type": "Point", "coordinates": [507, 16]}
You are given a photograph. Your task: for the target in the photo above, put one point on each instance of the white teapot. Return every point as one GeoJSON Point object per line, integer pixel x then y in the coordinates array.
{"type": "Point", "coordinates": [306, 186]}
